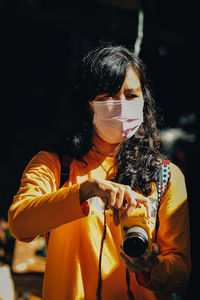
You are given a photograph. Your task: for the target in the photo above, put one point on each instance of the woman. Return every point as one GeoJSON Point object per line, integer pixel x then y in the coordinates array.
{"type": "Point", "coordinates": [114, 155]}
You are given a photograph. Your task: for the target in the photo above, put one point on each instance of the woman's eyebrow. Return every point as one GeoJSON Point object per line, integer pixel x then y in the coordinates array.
{"type": "Point", "coordinates": [132, 90]}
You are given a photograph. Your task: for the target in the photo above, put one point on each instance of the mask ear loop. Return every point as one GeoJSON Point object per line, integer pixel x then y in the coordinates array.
{"type": "Point", "coordinates": [99, 286]}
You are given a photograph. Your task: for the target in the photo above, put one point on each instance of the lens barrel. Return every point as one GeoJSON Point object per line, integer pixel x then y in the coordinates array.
{"type": "Point", "coordinates": [135, 242]}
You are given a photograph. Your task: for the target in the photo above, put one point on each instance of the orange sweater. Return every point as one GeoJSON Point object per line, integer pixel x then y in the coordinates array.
{"type": "Point", "coordinates": [73, 249]}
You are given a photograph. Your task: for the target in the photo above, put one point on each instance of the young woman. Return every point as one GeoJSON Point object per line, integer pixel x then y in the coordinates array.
{"type": "Point", "coordinates": [113, 152]}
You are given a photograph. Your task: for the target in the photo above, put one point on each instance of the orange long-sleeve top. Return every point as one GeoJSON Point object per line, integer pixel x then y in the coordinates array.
{"type": "Point", "coordinates": [71, 273]}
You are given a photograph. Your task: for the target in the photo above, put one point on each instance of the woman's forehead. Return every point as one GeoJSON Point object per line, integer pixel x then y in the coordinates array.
{"type": "Point", "coordinates": [131, 80]}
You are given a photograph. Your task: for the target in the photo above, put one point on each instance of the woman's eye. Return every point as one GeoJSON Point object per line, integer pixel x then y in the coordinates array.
{"type": "Point", "coordinates": [131, 96]}
{"type": "Point", "coordinates": [102, 98]}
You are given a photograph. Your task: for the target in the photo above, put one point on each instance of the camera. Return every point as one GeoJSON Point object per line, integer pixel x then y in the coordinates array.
{"type": "Point", "coordinates": [137, 229]}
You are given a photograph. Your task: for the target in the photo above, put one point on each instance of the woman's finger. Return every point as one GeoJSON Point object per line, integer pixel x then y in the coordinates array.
{"type": "Point", "coordinates": [120, 194]}
{"type": "Point", "coordinates": [116, 219]}
{"type": "Point", "coordinates": [155, 248]}
{"type": "Point", "coordinates": [130, 199]}
{"type": "Point", "coordinates": [143, 200]}
{"type": "Point", "coordinates": [120, 197]}
{"type": "Point", "coordinates": [127, 262]}
{"type": "Point", "coordinates": [133, 267]}
{"type": "Point", "coordinates": [113, 196]}
{"type": "Point", "coordinates": [136, 198]}
{"type": "Point", "coordinates": [127, 213]}
{"type": "Point", "coordinates": [139, 197]}
{"type": "Point", "coordinates": [138, 264]}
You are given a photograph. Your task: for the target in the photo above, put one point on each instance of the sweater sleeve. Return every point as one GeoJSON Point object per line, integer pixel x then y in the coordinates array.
{"type": "Point", "coordinates": [172, 272]}
{"type": "Point", "coordinates": [39, 205]}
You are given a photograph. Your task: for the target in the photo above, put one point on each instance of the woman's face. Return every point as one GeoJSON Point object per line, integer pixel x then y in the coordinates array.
{"type": "Point", "coordinates": [117, 121]}
{"type": "Point", "coordinates": [130, 90]}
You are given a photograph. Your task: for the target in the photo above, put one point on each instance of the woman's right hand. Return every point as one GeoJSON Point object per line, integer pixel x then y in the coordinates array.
{"type": "Point", "coordinates": [113, 195]}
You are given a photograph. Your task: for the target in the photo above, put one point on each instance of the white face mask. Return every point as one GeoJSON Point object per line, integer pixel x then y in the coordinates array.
{"type": "Point", "coordinates": [117, 120]}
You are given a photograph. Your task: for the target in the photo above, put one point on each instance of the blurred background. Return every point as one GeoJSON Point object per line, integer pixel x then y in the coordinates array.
{"type": "Point", "coordinates": [42, 43]}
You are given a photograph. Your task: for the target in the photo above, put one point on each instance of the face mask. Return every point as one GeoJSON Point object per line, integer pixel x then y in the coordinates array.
{"type": "Point", "coordinates": [117, 120]}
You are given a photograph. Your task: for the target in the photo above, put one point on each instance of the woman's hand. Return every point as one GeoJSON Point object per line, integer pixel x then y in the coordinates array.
{"type": "Point", "coordinates": [144, 263]}
{"type": "Point", "coordinates": [113, 195]}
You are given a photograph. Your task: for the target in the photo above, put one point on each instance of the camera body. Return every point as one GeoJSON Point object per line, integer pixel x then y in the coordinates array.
{"type": "Point", "coordinates": [137, 229]}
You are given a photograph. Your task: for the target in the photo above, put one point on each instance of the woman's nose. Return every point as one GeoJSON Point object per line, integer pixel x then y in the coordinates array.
{"type": "Point", "coordinates": [120, 96]}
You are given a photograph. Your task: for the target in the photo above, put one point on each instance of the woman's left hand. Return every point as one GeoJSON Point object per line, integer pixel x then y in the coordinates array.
{"type": "Point", "coordinates": [144, 263]}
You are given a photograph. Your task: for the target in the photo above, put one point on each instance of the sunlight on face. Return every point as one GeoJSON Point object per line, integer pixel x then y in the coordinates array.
{"type": "Point", "coordinates": [130, 90]}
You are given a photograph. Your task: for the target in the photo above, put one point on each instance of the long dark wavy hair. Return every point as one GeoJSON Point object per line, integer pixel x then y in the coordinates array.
{"type": "Point", "coordinates": [103, 71]}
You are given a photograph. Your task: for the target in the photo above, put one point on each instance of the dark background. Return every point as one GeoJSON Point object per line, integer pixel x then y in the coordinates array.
{"type": "Point", "coordinates": [42, 43]}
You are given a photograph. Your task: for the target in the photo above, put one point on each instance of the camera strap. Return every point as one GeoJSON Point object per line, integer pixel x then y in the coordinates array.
{"type": "Point", "coordinates": [99, 283]}
{"type": "Point", "coordinates": [162, 181]}
{"type": "Point", "coordinates": [162, 178]}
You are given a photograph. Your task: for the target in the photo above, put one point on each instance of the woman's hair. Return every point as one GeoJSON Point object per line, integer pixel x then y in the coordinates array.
{"type": "Point", "coordinates": [103, 71]}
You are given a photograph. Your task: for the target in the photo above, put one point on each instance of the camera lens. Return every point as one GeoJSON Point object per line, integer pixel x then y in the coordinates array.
{"type": "Point", "coordinates": [135, 242]}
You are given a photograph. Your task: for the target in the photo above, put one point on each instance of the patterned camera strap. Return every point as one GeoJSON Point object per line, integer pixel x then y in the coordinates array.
{"type": "Point", "coordinates": [163, 178]}
{"type": "Point", "coordinates": [161, 186]}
